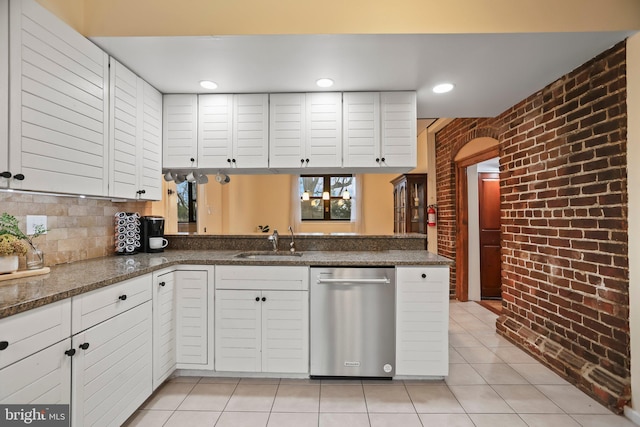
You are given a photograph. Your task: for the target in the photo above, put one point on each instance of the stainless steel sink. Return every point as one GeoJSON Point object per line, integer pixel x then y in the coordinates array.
{"type": "Point", "coordinates": [267, 254]}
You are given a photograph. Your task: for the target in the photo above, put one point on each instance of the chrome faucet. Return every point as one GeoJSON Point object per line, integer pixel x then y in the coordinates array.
{"type": "Point", "coordinates": [292, 245]}
{"type": "Point", "coordinates": [274, 240]}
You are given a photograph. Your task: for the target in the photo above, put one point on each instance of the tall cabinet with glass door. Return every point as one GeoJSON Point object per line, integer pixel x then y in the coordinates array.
{"type": "Point", "coordinates": [409, 203]}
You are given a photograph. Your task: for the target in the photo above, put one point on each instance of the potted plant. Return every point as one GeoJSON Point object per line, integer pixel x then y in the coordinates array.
{"type": "Point", "coordinates": [10, 249]}
{"type": "Point", "coordinates": [9, 227]}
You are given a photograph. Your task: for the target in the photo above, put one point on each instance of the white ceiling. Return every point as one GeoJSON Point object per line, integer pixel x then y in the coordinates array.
{"type": "Point", "coordinates": [491, 71]}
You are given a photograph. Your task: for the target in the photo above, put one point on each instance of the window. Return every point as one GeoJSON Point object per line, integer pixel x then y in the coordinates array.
{"type": "Point", "coordinates": [186, 202]}
{"type": "Point", "coordinates": [327, 197]}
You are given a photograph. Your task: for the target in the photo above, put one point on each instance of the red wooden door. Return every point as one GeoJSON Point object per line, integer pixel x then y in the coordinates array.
{"type": "Point", "coordinates": [489, 207]}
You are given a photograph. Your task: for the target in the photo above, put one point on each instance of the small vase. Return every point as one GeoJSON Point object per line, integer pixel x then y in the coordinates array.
{"type": "Point", "coordinates": [8, 264]}
{"type": "Point", "coordinates": [35, 259]}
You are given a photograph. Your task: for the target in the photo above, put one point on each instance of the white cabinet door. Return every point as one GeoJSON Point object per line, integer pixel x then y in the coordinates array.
{"type": "Point", "coordinates": [422, 321]}
{"type": "Point", "coordinates": [215, 131]}
{"type": "Point", "coordinates": [4, 91]}
{"type": "Point", "coordinates": [287, 141]}
{"type": "Point", "coordinates": [112, 368]}
{"type": "Point", "coordinates": [42, 378]}
{"type": "Point", "coordinates": [324, 130]}
{"type": "Point", "coordinates": [164, 327]}
{"type": "Point", "coordinates": [59, 105]}
{"type": "Point", "coordinates": [361, 121]}
{"type": "Point", "coordinates": [398, 131]}
{"type": "Point", "coordinates": [250, 131]}
{"type": "Point", "coordinates": [180, 131]}
{"type": "Point", "coordinates": [124, 115]}
{"type": "Point", "coordinates": [285, 331]}
{"type": "Point", "coordinates": [238, 331]}
{"type": "Point", "coordinates": [193, 321]}
{"type": "Point", "coordinates": [150, 139]}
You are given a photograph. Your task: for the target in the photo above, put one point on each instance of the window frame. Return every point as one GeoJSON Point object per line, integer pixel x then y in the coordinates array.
{"type": "Point", "coordinates": [191, 202]}
{"type": "Point", "coordinates": [326, 204]}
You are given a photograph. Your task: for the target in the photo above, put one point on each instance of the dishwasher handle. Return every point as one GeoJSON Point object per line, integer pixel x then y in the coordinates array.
{"type": "Point", "coordinates": [384, 280]}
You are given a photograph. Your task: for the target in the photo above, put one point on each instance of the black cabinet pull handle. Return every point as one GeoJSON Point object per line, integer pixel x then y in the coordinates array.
{"type": "Point", "coordinates": [4, 345]}
{"type": "Point", "coordinates": [424, 276]}
{"type": "Point", "coordinates": [70, 352]}
{"type": "Point", "coordinates": [161, 283]}
{"type": "Point", "coordinates": [84, 346]}
{"type": "Point", "coordinates": [264, 299]}
{"type": "Point", "coordinates": [18, 177]}
{"type": "Point", "coordinates": [6, 174]}
{"type": "Point", "coordinates": [122, 297]}
{"type": "Point", "coordinates": [257, 298]}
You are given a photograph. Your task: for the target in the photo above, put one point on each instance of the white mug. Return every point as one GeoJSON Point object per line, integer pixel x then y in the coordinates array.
{"type": "Point", "coordinates": [157, 242]}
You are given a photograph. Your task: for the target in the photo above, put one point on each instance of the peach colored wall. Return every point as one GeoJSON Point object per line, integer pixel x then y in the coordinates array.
{"type": "Point", "coordinates": [205, 17]}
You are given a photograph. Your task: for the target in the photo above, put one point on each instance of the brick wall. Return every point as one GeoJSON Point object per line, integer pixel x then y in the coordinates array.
{"type": "Point", "coordinates": [78, 228]}
{"type": "Point", "coordinates": [564, 222]}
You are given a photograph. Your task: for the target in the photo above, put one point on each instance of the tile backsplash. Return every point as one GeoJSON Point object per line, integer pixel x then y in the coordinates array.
{"type": "Point", "coordinates": [78, 228]}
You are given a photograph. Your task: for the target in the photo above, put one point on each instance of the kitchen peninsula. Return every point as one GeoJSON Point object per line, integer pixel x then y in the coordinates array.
{"type": "Point", "coordinates": [147, 317]}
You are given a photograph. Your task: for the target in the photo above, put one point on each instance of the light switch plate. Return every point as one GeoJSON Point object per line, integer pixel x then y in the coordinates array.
{"type": "Point", "coordinates": [33, 221]}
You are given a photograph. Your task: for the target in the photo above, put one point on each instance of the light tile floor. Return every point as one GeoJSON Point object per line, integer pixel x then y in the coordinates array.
{"type": "Point", "coordinates": [491, 383]}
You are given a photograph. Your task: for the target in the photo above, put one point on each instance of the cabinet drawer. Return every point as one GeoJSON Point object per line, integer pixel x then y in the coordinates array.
{"type": "Point", "coordinates": [26, 333]}
{"type": "Point", "coordinates": [97, 306]}
{"type": "Point", "coordinates": [262, 278]}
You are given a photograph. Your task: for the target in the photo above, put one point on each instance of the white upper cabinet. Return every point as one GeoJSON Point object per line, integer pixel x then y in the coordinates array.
{"type": "Point", "coordinates": [233, 131]}
{"type": "Point", "coordinates": [135, 122]}
{"type": "Point", "coordinates": [361, 143]}
{"type": "Point", "coordinates": [324, 130]}
{"type": "Point", "coordinates": [380, 130]}
{"type": "Point", "coordinates": [306, 130]}
{"type": "Point", "coordinates": [287, 138]}
{"type": "Point", "coordinates": [59, 105]}
{"type": "Point", "coordinates": [398, 130]}
{"type": "Point", "coordinates": [4, 91]}
{"type": "Point", "coordinates": [180, 131]}
{"type": "Point", "coordinates": [215, 130]}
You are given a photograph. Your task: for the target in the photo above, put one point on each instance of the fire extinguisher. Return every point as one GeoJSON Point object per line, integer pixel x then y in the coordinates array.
{"type": "Point", "coordinates": [431, 216]}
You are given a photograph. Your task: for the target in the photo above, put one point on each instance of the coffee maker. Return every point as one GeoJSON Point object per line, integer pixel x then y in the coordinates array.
{"type": "Point", "coordinates": [152, 234]}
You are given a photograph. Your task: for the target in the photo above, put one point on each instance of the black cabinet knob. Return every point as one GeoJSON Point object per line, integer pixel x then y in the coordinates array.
{"type": "Point", "coordinates": [122, 297]}
{"type": "Point", "coordinates": [424, 276]}
{"type": "Point", "coordinates": [264, 299]}
{"type": "Point", "coordinates": [84, 346]}
{"type": "Point", "coordinates": [162, 283]}
{"type": "Point", "coordinates": [383, 159]}
{"type": "Point", "coordinates": [306, 160]}
{"type": "Point", "coordinates": [70, 352]}
{"type": "Point", "coordinates": [4, 345]}
{"type": "Point", "coordinates": [377, 159]}
{"type": "Point", "coordinates": [6, 174]}
{"type": "Point", "coordinates": [18, 177]}
{"type": "Point", "coordinates": [193, 160]}
{"type": "Point", "coordinates": [301, 161]}
{"type": "Point", "coordinates": [233, 160]}
{"type": "Point", "coordinates": [257, 298]}
{"type": "Point", "coordinates": [228, 160]}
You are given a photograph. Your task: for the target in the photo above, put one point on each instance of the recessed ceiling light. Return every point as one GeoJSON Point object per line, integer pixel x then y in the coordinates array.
{"type": "Point", "coordinates": [324, 82]}
{"type": "Point", "coordinates": [208, 84]}
{"type": "Point", "coordinates": [443, 88]}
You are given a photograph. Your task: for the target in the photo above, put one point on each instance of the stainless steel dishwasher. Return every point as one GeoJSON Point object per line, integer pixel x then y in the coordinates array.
{"type": "Point", "coordinates": [352, 322]}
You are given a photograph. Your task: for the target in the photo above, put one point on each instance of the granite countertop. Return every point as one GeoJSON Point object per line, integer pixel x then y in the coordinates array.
{"type": "Point", "coordinates": [67, 280]}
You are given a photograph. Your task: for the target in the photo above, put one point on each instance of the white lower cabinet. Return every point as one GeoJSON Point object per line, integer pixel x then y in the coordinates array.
{"type": "Point", "coordinates": [422, 320]}
{"type": "Point", "coordinates": [262, 319]}
{"type": "Point", "coordinates": [112, 370]}
{"type": "Point", "coordinates": [164, 326]}
{"type": "Point", "coordinates": [194, 317]}
{"type": "Point", "coordinates": [43, 377]}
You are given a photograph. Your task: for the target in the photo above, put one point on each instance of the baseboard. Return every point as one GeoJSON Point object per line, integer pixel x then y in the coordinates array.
{"type": "Point", "coordinates": [632, 415]}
